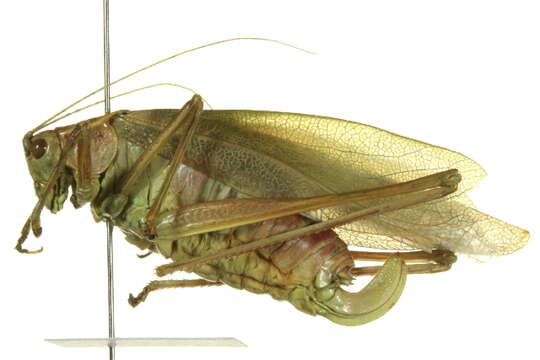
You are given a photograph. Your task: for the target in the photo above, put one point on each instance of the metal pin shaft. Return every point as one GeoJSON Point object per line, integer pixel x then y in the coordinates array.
{"type": "Point", "coordinates": [110, 257]}
{"type": "Point", "coordinates": [110, 283]}
{"type": "Point", "coordinates": [106, 56]}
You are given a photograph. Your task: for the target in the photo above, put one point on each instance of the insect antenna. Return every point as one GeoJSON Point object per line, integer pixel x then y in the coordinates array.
{"type": "Point", "coordinates": [131, 92]}
{"type": "Point", "coordinates": [33, 222]}
{"type": "Point", "coordinates": [55, 118]}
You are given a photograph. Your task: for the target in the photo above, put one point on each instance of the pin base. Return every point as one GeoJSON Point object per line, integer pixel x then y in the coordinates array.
{"type": "Point", "coordinates": [148, 342]}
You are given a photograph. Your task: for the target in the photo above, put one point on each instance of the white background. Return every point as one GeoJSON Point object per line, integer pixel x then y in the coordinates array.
{"type": "Point", "coordinates": [460, 74]}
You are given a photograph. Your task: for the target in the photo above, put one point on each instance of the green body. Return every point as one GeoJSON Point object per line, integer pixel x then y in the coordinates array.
{"type": "Point", "coordinates": [239, 154]}
{"type": "Point", "coordinates": [294, 272]}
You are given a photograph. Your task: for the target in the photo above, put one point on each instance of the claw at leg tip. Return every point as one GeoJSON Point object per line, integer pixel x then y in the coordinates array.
{"type": "Point", "coordinates": [20, 249]}
{"type": "Point", "coordinates": [132, 301]}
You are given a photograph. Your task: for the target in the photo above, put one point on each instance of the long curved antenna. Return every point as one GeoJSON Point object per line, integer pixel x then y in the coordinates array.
{"type": "Point", "coordinates": [131, 92]}
{"type": "Point", "coordinates": [53, 119]}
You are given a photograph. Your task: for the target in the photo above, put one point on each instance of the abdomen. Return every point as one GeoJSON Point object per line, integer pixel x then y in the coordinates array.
{"type": "Point", "coordinates": [274, 270]}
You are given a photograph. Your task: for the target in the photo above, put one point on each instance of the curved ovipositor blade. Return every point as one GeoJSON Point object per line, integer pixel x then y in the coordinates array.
{"type": "Point", "coordinates": [373, 301]}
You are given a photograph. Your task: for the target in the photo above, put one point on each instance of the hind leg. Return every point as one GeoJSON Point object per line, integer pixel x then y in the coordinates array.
{"type": "Point", "coordinates": [427, 262]}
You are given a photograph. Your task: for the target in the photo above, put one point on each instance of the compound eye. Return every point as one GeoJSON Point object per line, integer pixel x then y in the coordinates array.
{"type": "Point", "coordinates": [39, 147]}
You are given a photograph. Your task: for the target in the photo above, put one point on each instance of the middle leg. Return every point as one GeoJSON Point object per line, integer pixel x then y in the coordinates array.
{"type": "Point", "coordinates": [167, 284]}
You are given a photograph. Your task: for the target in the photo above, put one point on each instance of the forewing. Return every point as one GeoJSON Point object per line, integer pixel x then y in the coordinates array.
{"type": "Point", "coordinates": [284, 155]}
{"type": "Point", "coordinates": [272, 154]}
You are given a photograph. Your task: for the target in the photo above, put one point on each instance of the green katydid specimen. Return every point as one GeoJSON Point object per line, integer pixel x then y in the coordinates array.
{"type": "Point", "coordinates": [269, 202]}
